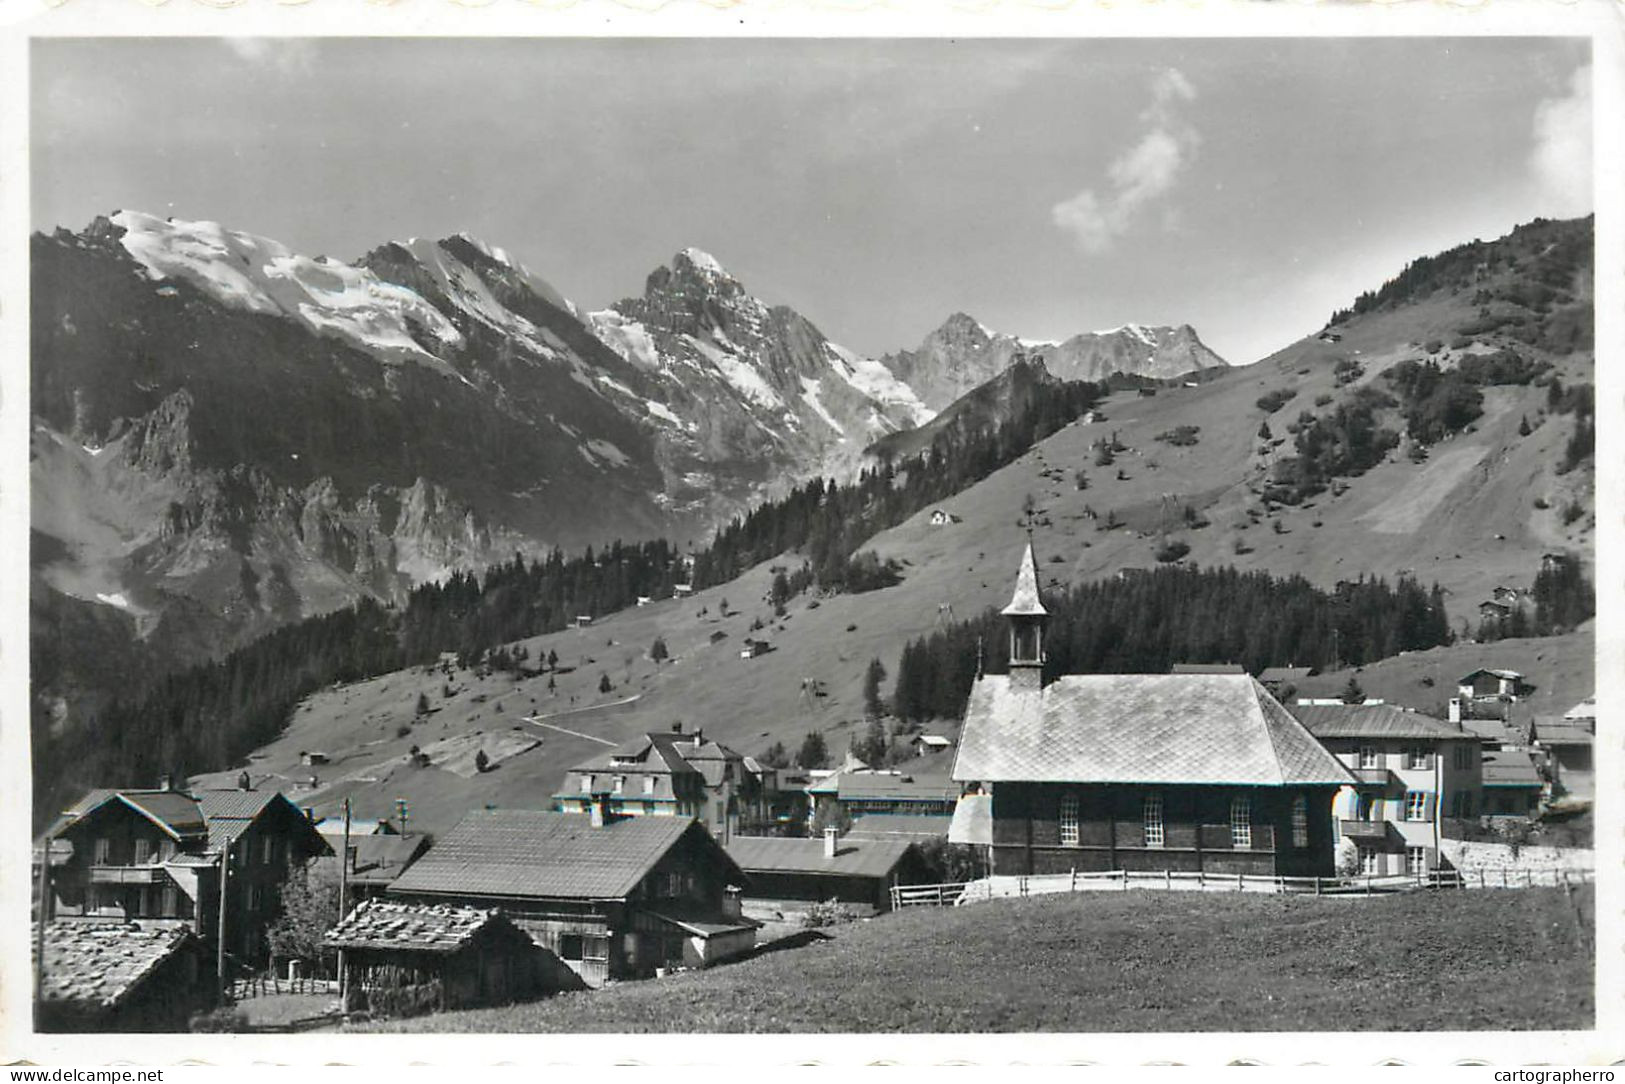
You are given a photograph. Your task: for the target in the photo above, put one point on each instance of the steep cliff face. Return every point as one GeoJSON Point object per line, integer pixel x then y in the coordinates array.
{"type": "Point", "coordinates": [963, 354]}
{"type": "Point", "coordinates": [758, 396]}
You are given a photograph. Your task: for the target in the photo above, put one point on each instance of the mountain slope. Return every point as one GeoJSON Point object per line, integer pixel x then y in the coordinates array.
{"type": "Point", "coordinates": [758, 388]}
{"type": "Point", "coordinates": [963, 354]}
{"type": "Point", "coordinates": [233, 435]}
{"type": "Point", "coordinates": [1463, 516]}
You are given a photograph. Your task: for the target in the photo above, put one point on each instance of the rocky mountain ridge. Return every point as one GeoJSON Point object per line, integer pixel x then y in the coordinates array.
{"type": "Point", "coordinates": [964, 353]}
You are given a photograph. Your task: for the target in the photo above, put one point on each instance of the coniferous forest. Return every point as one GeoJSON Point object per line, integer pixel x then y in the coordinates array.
{"type": "Point", "coordinates": [1145, 621]}
{"type": "Point", "coordinates": [209, 716]}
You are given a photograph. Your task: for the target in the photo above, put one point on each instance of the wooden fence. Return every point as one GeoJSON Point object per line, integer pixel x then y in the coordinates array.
{"type": "Point", "coordinates": [269, 985]}
{"type": "Point", "coordinates": [960, 893]}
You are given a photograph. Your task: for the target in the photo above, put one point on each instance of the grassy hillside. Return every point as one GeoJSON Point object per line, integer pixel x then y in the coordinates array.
{"type": "Point", "coordinates": [1562, 670]}
{"type": "Point", "coordinates": [1137, 961]}
{"type": "Point", "coordinates": [1466, 518]}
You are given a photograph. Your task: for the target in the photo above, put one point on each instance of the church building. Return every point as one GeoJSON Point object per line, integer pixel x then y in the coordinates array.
{"type": "Point", "coordinates": [1140, 772]}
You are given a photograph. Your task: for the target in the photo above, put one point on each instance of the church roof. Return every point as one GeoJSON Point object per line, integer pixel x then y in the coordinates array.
{"type": "Point", "coordinates": [1025, 602]}
{"type": "Point", "coordinates": [1212, 729]}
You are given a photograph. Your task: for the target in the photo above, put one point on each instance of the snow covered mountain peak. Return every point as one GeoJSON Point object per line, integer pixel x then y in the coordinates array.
{"type": "Point", "coordinates": [703, 262]}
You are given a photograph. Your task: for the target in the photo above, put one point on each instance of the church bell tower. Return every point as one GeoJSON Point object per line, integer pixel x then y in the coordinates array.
{"type": "Point", "coordinates": [1027, 614]}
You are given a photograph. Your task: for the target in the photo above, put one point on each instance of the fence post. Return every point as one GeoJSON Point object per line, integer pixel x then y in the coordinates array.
{"type": "Point", "coordinates": [1168, 879]}
{"type": "Point", "coordinates": [1240, 886]}
{"type": "Point", "coordinates": [1073, 887]}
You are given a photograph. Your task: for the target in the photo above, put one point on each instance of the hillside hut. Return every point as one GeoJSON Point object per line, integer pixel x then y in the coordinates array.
{"type": "Point", "coordinates": [402, 959]}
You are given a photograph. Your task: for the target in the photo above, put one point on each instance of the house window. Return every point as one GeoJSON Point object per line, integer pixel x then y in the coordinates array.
{"type": "Point", "coordinates": [104, 851]}
{"type": "Point", "coordinates": [570, 947]}
{"type": "Point", "coordinates": [1152, 810]}
{"type": "Point", "coordinates": [648, 784]}
{"type": "Point", "coordinates": [1416, 805]}
{"type": "Point", "coordinates": [171, 902]}
{"type": "Point", "coordinates": [586, 784]}
{"type": "Point", "coordinates": [1417, 757]}
{"type": "Point", "coordinates": [1462, 757]}
{"type": "Point", "coordinates": [1363, 808]}
{"type": "Point", "coordinates": [1241, 821]}
{"type": "Point", "coordinates": [595, 948]}
{"type": "Point", "coordinates": [1369, 757]}
{"type": "Point", "coordinates": [674, 884]}
{"type": "Point", "coordinates": [1370, 861]}
{"type": "Point", "coordinates": [143, 850]}
{"type": "Point", "coordinates": [1416, 861]}
{"type": "Point", "coordinates": [1300, 821]}
{"type": "Point", "coordinates": [1069, 820]}
{"type": "Point", "coordinates": [620, 783]}
{"type": "Point", "coordinates": [648, 807]}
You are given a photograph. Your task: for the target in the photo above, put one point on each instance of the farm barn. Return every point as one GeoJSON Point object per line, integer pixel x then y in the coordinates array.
{"type": "Point", "coordinates": [403, 959]}
{"type": "Point", "coordinates": [613, 897]}
{"type": "Point", "coordinates": [123, 976]}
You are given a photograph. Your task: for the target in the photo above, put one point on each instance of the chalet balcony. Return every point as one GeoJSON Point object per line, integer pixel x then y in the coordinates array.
{"type": "Point", "coordinates": [1365, 831]}
{"type": "Point", "coordinates": [1373, 777]}
{"type": "Point", "coordinates": [127, 875]}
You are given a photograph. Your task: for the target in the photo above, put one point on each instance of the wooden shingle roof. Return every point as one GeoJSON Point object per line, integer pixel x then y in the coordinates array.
{"type": "Point", "coordinates": [411, 926]}
{"type": "Point", "coordinates": [103, 963]}
{"type": "Point", "coordinates": [1215, 729]}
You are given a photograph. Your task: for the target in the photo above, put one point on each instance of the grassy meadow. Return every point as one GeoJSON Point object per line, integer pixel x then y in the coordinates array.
{"type": "Point", "coordinates": [1135, 961]}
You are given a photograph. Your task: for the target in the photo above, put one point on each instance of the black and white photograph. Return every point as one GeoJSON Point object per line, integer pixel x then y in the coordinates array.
{"type": "Point", "coordinates": [1040, 533]}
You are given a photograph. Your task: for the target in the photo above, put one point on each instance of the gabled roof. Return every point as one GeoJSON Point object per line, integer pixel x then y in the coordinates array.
{"type": "Point", "coordinates": [1139, 728]}
{"type": "Point", "coordinates": [102, 963]}
{"type": "Point", "coordinates": [1375, 721]}
{"type": "Point", "coordinates": [174, 812]}
{"type": "Point", "coordinates": [235, 804]}
{"type": "Point", "coordinates": [1025, 602]}
{"type": "Point", "coordinates": [531, 854]}
{"type": "Point", "coordinates": [378, 859]}
{"type": "Point", "coordinates": [784, 854]}
{"type": "Point", "coordinates": [1511, 675]}
{"type": "Point", "coordinates": [412, 926]}
{"type": "Point", "coordinates": [647, 753]}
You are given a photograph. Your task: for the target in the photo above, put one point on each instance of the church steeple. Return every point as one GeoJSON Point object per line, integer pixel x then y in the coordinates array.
{"type": "Point", "coordinates": [1026, 613]}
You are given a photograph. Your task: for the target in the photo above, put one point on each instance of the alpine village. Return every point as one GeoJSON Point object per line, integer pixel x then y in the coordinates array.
{"type": "Point", "coordinates": [1106, 671]}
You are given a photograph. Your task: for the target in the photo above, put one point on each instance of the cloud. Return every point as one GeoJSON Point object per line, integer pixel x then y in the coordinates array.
{"type": "Point", "coordinates": [1139, 176]}
{"type": "Point", "coordinates": [1561, 158]}
{"type": "Point", "coordinates": [289, 56]}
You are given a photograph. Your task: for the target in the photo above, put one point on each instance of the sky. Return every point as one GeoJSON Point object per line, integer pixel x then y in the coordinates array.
{"type": "Point", "coordinates": [1247, 187]}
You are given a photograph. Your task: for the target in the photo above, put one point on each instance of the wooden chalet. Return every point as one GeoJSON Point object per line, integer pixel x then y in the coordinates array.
{"type": "Point", "coordinates": [402, 959]}
{"type": "Point", "coordinates": [1486, 684]}
{"type": "Point", "coordinates": [613, 897]}
{"type": "Point", "coordinates": [1181, 772]}
{"type": "Point", "coordinates": [123, 976]}
{"type": "Point", "coordinates": [159, 854]}
{"type": "Point", "coordinates": [788, 874]}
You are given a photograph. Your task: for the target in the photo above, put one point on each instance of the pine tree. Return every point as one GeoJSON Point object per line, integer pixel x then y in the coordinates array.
{"type": "Point", "coordinates": [873, 706]}
{"type": "Point", "coordinates": [1523, 425]}
{"type": "Point", "coordinates": [423, 704]}
{"type": "Point", "coordinates": [310, 907]}
{"type": "Point", "coordinates": [658, 652]}
{"type": "Point", "coordinates": [813, 753]}
{"type": "Point", "coordinates": [1352, 693]}
{"type": "Point", "coordinates": [604, 685]}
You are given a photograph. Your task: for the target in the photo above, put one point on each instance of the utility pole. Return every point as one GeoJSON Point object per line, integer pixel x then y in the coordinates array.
{"type": "Point", "coordinates": [403, 812]}
{"type": "Point", "coordinates": [220, 906]}
{"type": "Point", "coordinates": [39, 932]}
{"type": "Point", "coordinates": [344, 885]}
